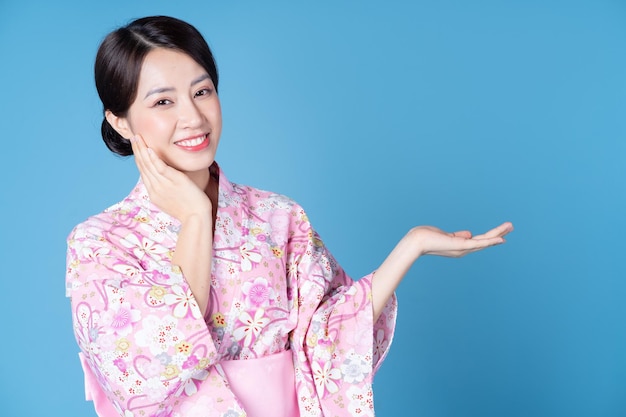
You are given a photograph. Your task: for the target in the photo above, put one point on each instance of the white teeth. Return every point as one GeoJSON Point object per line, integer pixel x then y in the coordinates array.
{"type": "Point", "coordinates": [192, 142]}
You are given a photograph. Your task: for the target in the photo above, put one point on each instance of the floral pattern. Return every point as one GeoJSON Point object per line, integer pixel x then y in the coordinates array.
{"type": "Point", "coordinates": [274, 286]}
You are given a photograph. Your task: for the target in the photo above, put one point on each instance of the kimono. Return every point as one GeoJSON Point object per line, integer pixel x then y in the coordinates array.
{"type": "Point", "coordinates": [275, 288]}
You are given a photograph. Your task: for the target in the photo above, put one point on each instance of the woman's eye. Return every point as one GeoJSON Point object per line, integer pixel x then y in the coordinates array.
{"type": "Point", "coordinates": [163, 102]}
{"type": "Point", "coordinates": [204, 92]}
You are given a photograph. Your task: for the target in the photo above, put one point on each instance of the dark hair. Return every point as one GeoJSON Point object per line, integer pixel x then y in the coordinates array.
{"type": "Point", "coordinates": [121, 55]}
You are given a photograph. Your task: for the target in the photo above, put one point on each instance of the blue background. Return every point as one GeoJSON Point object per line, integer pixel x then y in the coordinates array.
{"type": "Point", "coordinates": [375, 116]}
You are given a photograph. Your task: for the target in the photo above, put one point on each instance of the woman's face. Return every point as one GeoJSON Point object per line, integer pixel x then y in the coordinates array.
{"type": "Point", "coordinates": [177, 111]}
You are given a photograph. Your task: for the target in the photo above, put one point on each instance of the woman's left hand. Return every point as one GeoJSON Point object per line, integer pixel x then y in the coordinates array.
{"type": "Point", "coordinates": [429, 240]}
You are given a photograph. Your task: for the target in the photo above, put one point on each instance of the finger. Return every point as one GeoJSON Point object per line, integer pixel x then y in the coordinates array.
{"type": "Point", "coordinates": [148, 161]}
{"type": "Point", "coordinates": [498, 231]}
{"type": "Point", "coordinates": [145, 156]}
{"type": "Point", "coordinates": [139, 147]}
{"type": "Point", "coordinates": [138, 144]}
{"type": "Point", "coordinates": [475, 244]}
{"type": "Point", "coordinates": [161, 169]}
{"type": "Point", "coordinates": [465, 234]}
{"type": "Point", "coordinates": [145, 161]}
{"type": "Point", "coordinates": [165, 174]}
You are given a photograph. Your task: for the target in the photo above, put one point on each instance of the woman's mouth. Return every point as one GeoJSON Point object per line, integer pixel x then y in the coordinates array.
{"type": "Point", "coordinates": [194, 144]}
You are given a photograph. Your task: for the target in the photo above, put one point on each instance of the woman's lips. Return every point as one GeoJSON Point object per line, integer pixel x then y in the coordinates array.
{"type": "Point", "coordinates": [194, 144]}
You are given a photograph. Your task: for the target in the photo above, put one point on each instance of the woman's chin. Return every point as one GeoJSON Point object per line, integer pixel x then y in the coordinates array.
{"type": "Point", "coordinates": [197, 165]}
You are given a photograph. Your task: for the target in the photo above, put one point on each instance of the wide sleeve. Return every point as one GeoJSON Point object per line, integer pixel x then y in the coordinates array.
{"type": "Point", "coordinates": [144, 344]}
{"type": "Point", "coordinates": [339, 346]}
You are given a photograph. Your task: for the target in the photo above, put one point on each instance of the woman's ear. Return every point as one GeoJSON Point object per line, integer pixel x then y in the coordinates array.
{"type": "Point", "coordinates": [120, 124]}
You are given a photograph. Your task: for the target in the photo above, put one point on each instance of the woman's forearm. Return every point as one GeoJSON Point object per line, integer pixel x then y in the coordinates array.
{"type": "Point", "coordinates": [391, 272]}
{"type": "Point", "coordinates": [194, 253]}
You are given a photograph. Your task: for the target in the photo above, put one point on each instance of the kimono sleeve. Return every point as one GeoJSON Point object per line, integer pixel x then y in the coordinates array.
{"type": "Point", "coordinates": [339, 345]}
{"type": "Point", "coordinates": [142, 337]}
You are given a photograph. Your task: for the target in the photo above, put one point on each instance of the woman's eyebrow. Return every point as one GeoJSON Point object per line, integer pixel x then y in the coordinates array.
{"type": "Point", "coordinates": [158, 90]}
{"type": "Point", "coordinates": [200, 79]}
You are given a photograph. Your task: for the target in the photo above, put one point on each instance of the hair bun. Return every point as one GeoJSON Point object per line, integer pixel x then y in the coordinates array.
{"type": "Point", "coordinates": [114, 141]}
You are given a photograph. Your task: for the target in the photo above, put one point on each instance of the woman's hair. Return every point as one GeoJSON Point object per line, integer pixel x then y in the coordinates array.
{"type": "Point", "coordinates": [121, 55]}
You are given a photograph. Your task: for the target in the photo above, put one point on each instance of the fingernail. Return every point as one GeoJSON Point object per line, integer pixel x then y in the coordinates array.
{"type": "Point", "coordinates": [150, 151]}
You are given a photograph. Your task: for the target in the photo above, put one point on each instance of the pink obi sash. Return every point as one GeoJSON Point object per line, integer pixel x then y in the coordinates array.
{"type": "Point", "coordinates": [266, 387]}
{"type": "Point", "coordinates": [95, 393]}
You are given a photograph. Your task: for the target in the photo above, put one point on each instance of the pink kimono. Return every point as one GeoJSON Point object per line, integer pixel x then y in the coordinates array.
{"type": "Point", "coordinates": [276, 292]}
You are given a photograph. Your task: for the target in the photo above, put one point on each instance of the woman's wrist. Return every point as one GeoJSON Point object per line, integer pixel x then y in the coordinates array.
{"type": "Point", "coordinates": [413, 243]}
{"type": "Point", "coordinates": [200, 218]}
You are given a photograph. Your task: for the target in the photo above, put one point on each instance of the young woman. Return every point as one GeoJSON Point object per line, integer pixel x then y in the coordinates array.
{"type": "Point", "coordinates": [195, 296]}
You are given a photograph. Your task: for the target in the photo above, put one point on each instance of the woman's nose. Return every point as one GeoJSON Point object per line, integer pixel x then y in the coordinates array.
{"type": "Point", "coordinates": [189, 114]}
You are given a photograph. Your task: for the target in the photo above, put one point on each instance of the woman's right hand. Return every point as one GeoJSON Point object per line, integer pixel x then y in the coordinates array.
{"type": "Point", "coordinates": [169, 189]}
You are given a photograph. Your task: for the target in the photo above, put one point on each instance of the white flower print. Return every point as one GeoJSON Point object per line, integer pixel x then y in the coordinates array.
{"type": "Point", "coordinates": [94, 255]}
{"type": "Point", "coordinates": [128, 270]}
{"type": "Point", "coordinates": [251, 326]}
{"type": "Point", "coordinates": [354, 368]}
{"type": "Point", "coordinates": [143, 247]}
{"type": "Point", "coordinates": [158, 334]}
{"type": "Point", "coordinates": [184, 302]}
{"type": "Point", "coordinates": [154, 389]}
{"type": "Point", "coordinates": [361, 400]}
{"type": "Point", "coordinates": [380, 344]}
{"type": "Point", "coordinates": [324, 376]}
{"type": "Point", "coordinates": [248, 256]}
{"type": "Point", "coordinates": [292, 266]}
{"type": "Point", "coordinates": [189, 385]}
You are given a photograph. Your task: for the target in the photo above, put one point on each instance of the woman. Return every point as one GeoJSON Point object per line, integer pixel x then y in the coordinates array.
{"type": "Point", "coordinates": [195, 296]}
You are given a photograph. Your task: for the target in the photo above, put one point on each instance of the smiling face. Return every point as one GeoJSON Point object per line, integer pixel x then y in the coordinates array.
{"type": "Point", "coordinates": [177, 111]}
